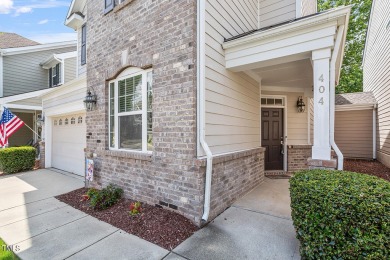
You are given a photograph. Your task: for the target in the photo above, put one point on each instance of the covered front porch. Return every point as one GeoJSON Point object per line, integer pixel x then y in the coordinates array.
{"type": "Point", "coordinates": [297, 65]}
{"type": "Point", "coordinates": [28, 107]}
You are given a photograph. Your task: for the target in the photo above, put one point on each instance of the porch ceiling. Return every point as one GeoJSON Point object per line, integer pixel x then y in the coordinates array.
{"type": "Point", "coordinates": [295, 74]}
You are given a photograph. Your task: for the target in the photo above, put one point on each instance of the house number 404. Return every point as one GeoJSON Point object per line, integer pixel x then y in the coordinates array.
{"type": "Point", "coordinates": [321, 89]}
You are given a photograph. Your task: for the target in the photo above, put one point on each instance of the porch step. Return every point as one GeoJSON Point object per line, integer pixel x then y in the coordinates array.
{"type": "Point", "coordinates": [278, 174]}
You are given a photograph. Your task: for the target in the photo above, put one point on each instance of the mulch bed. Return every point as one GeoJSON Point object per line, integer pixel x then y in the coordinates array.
{"type": "Point", "coordinates": [368, 167]}
{"type": "Point", "coordinates": [159, 226]}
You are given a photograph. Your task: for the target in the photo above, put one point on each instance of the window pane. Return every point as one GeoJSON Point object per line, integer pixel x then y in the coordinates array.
{"type": "Point", "coordinates": [137, 100]}
{"type": "Point", "coordinates": [149, 111]}
{"type": "Point", "coordinates": [150, 131]}
{"type": "Point", "coordinates": [112, 113]}
{"type": "Point", "coordinates": [278, 101]}
{"type": "Point", "coordinates": [130, 132]}
{"type": "Point", "coordinates": [263, 101]}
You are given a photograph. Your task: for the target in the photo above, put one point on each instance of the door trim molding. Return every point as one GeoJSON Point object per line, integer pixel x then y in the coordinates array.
{"type": "Point", "coordinates": [284, 107]}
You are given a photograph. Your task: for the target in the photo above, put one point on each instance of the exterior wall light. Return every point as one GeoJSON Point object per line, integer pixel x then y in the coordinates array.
{"type": "Point", "coordinates": [90, 101]}
{"type": "Point", "coordinates": [40, 120]}
{"type": "Point", "coordinates": [300, 105]}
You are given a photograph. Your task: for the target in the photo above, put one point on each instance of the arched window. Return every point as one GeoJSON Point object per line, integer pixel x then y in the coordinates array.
{"type": "Point", "coordinates": [72, 121]}
{"type": "Point", "coordinates": [66, 121]}
{"type": "Point", "coordinates": [60, 122]}
{"type": "Point", "coordinates": [55, 122]}
{"type": "Point", "coordinates": [133, 117]}
{"type": "Point", "coordinates": [80, 120]}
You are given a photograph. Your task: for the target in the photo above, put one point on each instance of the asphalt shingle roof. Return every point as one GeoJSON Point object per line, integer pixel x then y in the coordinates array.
{"type": "Point", "coordinates": [13, 40]}
{"type": "Point", "coordinates": [358, 98]}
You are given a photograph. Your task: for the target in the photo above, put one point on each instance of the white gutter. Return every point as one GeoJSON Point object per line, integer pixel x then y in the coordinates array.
{"type": "Point", "coordinates": [339, 37]}
{"type": "Point", "coordinates": [374, 133]}
{"type": "Point", "coordinates": [202, 107]}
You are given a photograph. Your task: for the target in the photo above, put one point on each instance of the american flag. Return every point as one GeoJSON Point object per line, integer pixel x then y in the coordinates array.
{"type": "Point", "coordinates": [9, 124]}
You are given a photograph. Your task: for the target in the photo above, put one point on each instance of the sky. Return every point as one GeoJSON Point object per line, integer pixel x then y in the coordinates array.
{"type": "Point", "coordinates": [38, 20]}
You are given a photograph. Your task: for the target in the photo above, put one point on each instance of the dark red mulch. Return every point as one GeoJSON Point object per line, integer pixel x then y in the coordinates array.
{"type": "Point", "coordinates": [159, 226]}
{"type": "Point", "coordinates": [368, 167]}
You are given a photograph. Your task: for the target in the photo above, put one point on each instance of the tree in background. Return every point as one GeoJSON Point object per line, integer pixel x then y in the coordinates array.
{"type": "Point", "coordinates": [352, 72]}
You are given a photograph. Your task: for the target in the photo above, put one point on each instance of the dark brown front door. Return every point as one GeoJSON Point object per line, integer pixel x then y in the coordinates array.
{"type": "Point", "coordinates": [272, 136]}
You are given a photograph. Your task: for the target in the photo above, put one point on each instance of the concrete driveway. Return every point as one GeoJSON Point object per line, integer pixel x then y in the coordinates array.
{"type": "Point", "coordinates": [258, 226]}
{"type": "Point", "coordinates": [41, 227]}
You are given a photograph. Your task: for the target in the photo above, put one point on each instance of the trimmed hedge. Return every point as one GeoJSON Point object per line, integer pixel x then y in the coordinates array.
{"type": "Point", "coordinates": [17, 159]}
{"type": "Point", "coordinates": [341, 215]}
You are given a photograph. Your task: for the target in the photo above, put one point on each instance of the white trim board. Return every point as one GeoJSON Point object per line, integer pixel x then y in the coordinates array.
{"type": "Point", "coordinates": [35, 48]}
{"type": "Point", "coordinates": [27, 95]}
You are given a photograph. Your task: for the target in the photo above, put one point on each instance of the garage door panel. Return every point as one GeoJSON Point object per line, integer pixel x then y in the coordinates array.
{"type": "Point", "coordinates": [69, 141]}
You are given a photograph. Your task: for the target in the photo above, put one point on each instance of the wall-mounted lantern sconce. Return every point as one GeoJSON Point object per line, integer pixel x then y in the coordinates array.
{"type": "Point", "coordinates": [90, 101]}
{"type": "Point", "coordinates": [300, 105]}
{"type": "Point", "coordinates": [40, 120]}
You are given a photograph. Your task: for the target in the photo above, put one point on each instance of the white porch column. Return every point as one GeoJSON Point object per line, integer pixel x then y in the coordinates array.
{"type": "Point", "coordinates": [47, 138]}
{"type": "Point", "coordinates": [321, 65]}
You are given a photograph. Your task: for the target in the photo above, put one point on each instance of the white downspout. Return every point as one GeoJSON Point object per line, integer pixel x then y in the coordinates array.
{"type": "Point", "coordinates": [202, 107]}
{"type": "Point", "coordinates": [340, 157]}
{"type": "Point", "coordinates": [374, 132]}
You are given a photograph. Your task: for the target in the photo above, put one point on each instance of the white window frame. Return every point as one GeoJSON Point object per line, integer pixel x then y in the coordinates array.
{"type": "Point", "coordinates": [144, 112]}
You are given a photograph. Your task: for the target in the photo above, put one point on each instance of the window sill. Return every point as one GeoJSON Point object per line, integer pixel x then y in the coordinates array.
{"type": "Point", "coordinates": [143, 156]}
{"type": "Point", "coordinates": [122, 5]}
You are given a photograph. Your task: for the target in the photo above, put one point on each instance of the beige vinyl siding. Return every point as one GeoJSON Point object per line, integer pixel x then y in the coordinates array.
{"type": "Point", "coordinates": [376, 73]}
{"type": "Point", "coordinates": [70, 65]}
{"type": "Point", "coordinates": [22, 72]}
{"type": "Point", "coordinates": [308, 7]}
{"type": "Point", "coordinates": [232, 99]}
{"type": "Point", "coordinates": [23, 135]}
{"type": "Point", "coordinates": [353, 133]}
{"type": "Point", "coordinates": [297, 125]}
{"type": "Point", "coordinates": [273, 11]}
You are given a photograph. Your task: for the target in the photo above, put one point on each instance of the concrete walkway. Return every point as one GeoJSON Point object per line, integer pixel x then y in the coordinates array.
{"type": "Point", "coordinates": [44, 228]}
{"type": "Point", "coordinates": [258, 226]}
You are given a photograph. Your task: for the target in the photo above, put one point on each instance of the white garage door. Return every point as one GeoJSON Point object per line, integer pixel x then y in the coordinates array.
{"type": "Point", "coordinates": [69, 141]}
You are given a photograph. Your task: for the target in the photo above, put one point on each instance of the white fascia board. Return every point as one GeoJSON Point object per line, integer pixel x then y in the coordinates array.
{"type": "Point", "coordinates": [66, 55]}
{"type": "Point", "coordinates": [330, 16]}
{"type": "Point", "coordinates": [41, 47]}
{"type": "Point", "coordinates": [76, 84]}
{"type": "Point", "coordinates": [64, 109]}
{"type": "Point", "coordinates": [19, 97]}
{"type": "Point", "coordinates": [25, 107]}
{"type": "Point", "coordinates": [355, 107]}
{"type": "Point", "coordinates": [74, 21]}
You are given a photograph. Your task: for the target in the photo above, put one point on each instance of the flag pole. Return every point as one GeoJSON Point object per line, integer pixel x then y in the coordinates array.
{"type": "Point", "coordinates": [33, 131]}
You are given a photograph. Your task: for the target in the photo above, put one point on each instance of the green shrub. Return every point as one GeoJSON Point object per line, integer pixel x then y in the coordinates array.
{"type": "Point", "coordinates": [105, 198]}
{"type": "Point", "coordinates": [341, 215]}
{"type": "Point", "coordinates": [17, 159]}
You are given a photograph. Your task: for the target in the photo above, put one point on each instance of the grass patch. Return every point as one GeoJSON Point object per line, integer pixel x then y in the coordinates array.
{"type": "Point", "coordinates": [6, 254]}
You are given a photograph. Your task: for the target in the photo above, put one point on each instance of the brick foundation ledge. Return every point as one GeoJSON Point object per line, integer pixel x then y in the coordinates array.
{"type": "Point", "coordinates": [322, 164]}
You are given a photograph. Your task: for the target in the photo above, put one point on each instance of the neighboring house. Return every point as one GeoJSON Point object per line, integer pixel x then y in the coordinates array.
{"type": "Point", "coordinates": [27, 70]}
{"type": "Point", "coordinates": [355, 126]}
{"type": "Point", "coordinates": [64, 138]}
{"type": "Point", "coordinates": [376, 73]}
{"type": "Point", "coordinates": [196, 98]}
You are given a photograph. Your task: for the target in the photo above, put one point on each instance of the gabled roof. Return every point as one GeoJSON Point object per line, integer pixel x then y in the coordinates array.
{"type": "Point", "coordinates": [13, 40]}
{"type": "Point", "coordinates": [358, 98]}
